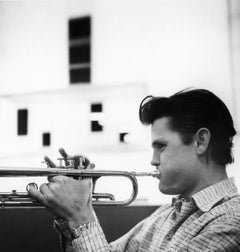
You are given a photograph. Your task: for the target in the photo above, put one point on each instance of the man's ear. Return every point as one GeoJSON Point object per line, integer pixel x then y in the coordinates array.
{"type": "Point", "coordinates": [202, 139]}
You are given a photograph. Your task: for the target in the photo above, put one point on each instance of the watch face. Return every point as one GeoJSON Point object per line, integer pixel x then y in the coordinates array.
{"type": "Point", "coordinates": [72, 233]}
{"type": "Point", "coordinates": [76, 232]}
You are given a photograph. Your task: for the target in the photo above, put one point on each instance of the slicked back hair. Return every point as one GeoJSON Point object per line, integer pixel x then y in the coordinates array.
{"type": "Point", "coordinates": [190, 110]}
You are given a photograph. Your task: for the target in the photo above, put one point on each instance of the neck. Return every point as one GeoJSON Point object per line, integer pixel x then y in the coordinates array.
{"type": "Point", "coordinates": [214, 173]}
{"type": "Point", "coordinates": [210, 175]}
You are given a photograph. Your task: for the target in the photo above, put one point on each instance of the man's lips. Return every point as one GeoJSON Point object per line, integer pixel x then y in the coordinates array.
{"type": "Point", "coordinates": [156, 174]}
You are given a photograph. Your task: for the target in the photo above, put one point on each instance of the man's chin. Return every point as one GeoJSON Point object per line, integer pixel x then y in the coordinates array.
{"type": "Point", "coordinates": [166, 189]}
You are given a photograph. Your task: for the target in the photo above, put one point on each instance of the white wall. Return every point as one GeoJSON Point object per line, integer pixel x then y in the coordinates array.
{"type": "Point", "coordinates": [33, 46]}
{"type": "Point", "coordinates": [166, 44]}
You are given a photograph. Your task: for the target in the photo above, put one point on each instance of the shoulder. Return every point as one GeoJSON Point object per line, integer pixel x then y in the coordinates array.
{"type": "Point", "coordinates": [225, 214]}
{"type": "Point", "coordinates": [229, 206]}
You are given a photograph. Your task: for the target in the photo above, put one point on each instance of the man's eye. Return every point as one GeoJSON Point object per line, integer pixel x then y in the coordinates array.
{"type": "Point", "coordinates": [160, 146]}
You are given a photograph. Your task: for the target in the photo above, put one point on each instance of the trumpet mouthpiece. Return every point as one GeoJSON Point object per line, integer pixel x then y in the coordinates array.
{"type": "Point", "coordinates": [154, 174]}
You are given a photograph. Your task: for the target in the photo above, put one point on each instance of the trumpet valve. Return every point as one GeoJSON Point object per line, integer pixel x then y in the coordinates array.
{"type": "Point", "coordinates": [70, 163]}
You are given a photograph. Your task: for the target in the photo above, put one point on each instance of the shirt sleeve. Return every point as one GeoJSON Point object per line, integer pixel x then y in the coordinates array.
{"type": "Point", "coordinates": [93, 239]}
{"type": "Point", "coordinates": [218, 237]}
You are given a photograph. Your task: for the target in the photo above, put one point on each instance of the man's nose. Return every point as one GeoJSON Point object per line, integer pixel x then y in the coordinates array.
{"type": "Point", "coordinates": [156, 160]}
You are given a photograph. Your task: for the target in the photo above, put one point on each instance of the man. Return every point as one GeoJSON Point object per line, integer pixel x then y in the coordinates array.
{"type": "Point", "coordinates": [192, 133]}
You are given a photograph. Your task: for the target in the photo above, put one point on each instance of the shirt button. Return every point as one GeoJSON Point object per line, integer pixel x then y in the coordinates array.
{"type": "Point", "coordinates": [168, 237]}
{"type": "Point", "coordinates": [174, 215]}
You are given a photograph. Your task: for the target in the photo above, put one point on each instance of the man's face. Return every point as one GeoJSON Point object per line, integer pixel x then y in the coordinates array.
{"type": "Point", "coordinates": [177, 163]}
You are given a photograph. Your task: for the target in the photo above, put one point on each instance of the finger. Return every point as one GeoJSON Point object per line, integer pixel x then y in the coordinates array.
{"type": "Point", "coordinates": [63, 152]}
{"type": "Point", "coordinates": [91, 166]}
{"type": "Point", "coordinates": [51, 178]}
{"type": "Point", "coordinates": [90, 185]}
{"type": "Point", "coordinates": [87, 182]}
{"type": "Point", "coordinates": [64, 155]}
{"type": "Point", "coordinates": [34, 193]}
{"type": "Point", "coordinates": [57, 178]}
{"type": "Point", "coordinates": [83, 161]}
{"type": "Point", "coordinates": [79, 161]}
{"type": "Point", "coordinates": [49, 162]}
{"type": "Point", "coordinates": [46, 191]}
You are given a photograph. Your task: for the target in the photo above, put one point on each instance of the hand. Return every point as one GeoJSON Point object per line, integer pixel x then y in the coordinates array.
{"type": "Point", "coordinates": [76, 158]}
{"type": "Point", "coordinates": [66, 197]}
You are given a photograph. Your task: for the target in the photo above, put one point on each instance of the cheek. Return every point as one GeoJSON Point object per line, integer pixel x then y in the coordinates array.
{"type": "Point", "coordinates": [175, 168]}
{"type": "Point", "coordinates": [173, 178]}
{"type": "Point", "coordinates": [170, 173]}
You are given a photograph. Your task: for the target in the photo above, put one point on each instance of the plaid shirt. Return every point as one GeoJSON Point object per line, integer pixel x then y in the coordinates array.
{"type": "Point", "coordinates": [209, 222]}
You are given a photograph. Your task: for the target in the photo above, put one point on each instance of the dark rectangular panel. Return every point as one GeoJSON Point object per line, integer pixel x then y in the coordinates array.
{"type": "Point", "coordinates": [80, 75]}
{"type": "Point", "coordinates": [96, 107]}
{"type": "Point", "coordinates": [79, 54]}
{"type": "Point", "coordinates": [46, 139]}
{"type": "Point", "coordinates": [22, 121]}
{"type": "Point", "coordinates": [96, 127]}
{"type": "Point", "coordinates": [79, 28]}
{"type": "Point", "coordinates": [32, 228]}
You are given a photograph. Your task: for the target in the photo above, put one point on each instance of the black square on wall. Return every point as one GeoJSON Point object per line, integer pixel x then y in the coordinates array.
{"type": "Point", "coordinates": [46, 139]}
{"type": "Point", "coordinates": [96, 127]}
{"type": "Point", "coordinates": [22, 121]}
{"type": "Point", "coordinates": [96, 107]}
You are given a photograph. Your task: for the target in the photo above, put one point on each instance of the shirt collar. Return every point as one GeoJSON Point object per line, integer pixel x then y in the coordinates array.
{"type": "Point", "coordinates": [211, 195]}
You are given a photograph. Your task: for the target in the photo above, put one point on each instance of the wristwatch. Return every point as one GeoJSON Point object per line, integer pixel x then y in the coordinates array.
{"type": "Point", "coordinates": [72, 233]}
{"type": "Point", "coordinates": [78, 231]}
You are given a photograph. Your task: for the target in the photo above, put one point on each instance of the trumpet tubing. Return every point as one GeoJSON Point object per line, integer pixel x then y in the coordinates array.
{"type": "Point", "coordinates": [22, 199]}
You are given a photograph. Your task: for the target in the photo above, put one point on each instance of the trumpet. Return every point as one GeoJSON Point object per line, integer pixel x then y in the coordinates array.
{"type": "Point", "coordinates": [23, 199]}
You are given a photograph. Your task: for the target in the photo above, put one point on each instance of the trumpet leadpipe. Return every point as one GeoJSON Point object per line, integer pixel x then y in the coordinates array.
{"type": "Point", "coordinates": [36, 171]}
